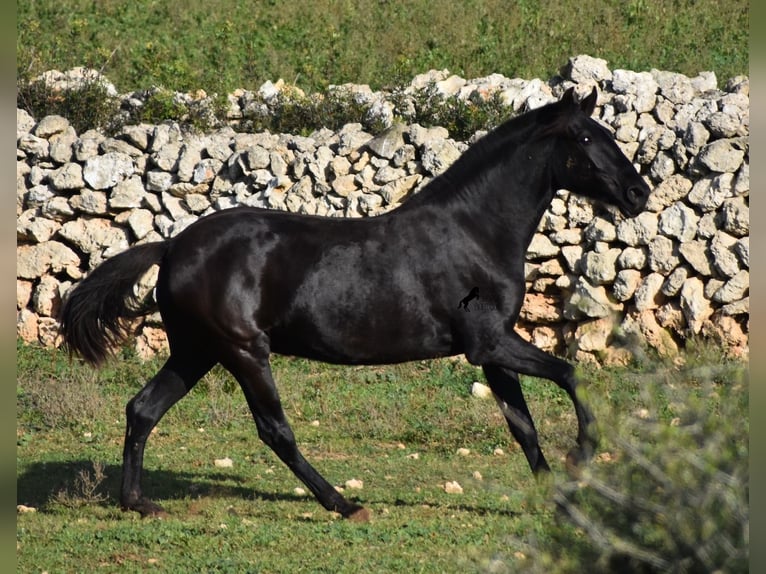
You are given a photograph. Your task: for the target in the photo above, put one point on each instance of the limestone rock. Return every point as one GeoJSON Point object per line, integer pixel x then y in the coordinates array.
{"type": "Point", "coordinates": [395, 191]}
{"type": "Point", "coordinates": [539, 308]}
{"type": "Point", "coordinates": [600, 268]}
{"type": "Point", "coordinates": [67, 177]}
{"type": "Point", "coordinates": [735, 217]}
{"type": "Point", "coordinates": [696, 254]}
{"type": "Point", "coordinates": [663, 255]}
{"type": "Point", "coordinates": [648, 295]}
{"type": "Point", "coordinates": [588, 301]}
{"type": "Point", "coordinates": [710, 192]}
{"type": "Point", "coordinates": [105, 171]}
{"type": "Point", "coordinates": [722, 255]}
{"type": "Point", "coordinates": [633, 258]}
{"type": "Point", "coordinates": [438, 155]}
{"type": "Point", "coordinates": [480, 391]}
{"type": "Point", "coordinates": [388, 142]}
{"type": "Point", "coordinates": [50, 125]}
{"type": "Point", "coordinates": [734, 289]}
{"type": "Point", "coordinates": [34, 261]}
{"type": "Point", "coordinates": [586, 69]}
{"type": "Point", "coordinates": [639, 230]}
{"type": "Point", "coordinates": [722, 156]}
{"type": "Point", "coordinates": [26, 326]}
{"type": "Point", "coordinates": [625, 284]}
{"type": "Point", "coordinates": [696, 308]}
{"type": "Point", "coordinates": [640, 85]}
{"type": "Point", "coordinates": [679, 221]}
{"type": "Point", "coordinates": [595, 335]}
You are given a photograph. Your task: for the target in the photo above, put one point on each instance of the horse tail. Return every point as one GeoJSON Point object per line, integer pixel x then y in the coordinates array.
{"type": "Point", "coordinates": [93, 316]}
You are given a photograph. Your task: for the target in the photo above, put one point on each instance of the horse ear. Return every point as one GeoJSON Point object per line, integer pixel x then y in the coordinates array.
{"type": "Point", "coordinates": [589, 103]}
{"type": "Point", "coordinates": [568, 97]}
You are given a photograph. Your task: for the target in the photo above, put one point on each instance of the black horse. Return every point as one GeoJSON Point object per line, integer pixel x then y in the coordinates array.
{"type": "Point", "coordinates": [243, 283]}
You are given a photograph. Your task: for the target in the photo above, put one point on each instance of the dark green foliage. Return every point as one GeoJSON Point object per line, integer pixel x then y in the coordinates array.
{"type": "Point", "coordinates": [462, 118]}
{"type": "Point", "coordinates": [672, 495]}
{"type": "Point", "coordinates": [293, 112]}
{"type": "Point", "coordinates": [87, 107]}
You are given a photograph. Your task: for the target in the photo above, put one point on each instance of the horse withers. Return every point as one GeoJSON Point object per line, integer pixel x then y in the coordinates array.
{"type": "Point", "coordinates": [243, 283]}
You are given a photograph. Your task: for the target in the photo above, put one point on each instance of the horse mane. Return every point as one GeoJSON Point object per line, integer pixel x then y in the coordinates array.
{"type": "Point", "coordinates": [490, 149]}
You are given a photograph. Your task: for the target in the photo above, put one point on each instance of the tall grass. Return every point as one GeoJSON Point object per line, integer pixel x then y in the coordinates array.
{"type": "Point", "coordinates": [221, 45]}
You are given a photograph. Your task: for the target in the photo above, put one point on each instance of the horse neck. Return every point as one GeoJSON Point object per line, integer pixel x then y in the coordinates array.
{"type": "Point", "coordinates": [509, 192]}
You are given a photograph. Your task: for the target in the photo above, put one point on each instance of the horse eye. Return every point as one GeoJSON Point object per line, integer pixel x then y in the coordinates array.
{"type": "Point", "coordinates": [585, 140]}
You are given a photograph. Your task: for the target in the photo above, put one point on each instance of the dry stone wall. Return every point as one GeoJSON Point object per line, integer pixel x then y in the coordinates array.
{"type": "Point", "coordinates": [601, 288]}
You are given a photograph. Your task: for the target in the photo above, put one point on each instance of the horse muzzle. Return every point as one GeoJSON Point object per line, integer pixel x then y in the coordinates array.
{"type": "Point", "coordinates": [635, 199]}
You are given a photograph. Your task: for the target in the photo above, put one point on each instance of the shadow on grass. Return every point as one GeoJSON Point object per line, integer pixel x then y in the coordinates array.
{"type": "Point", "coordinates": [38, 485]}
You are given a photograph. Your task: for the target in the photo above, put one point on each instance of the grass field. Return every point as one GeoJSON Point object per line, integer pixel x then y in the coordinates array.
{"type": "Point", "coordinates": [397, 429]}
{"type": "Point", "coordinates": [221, 45]}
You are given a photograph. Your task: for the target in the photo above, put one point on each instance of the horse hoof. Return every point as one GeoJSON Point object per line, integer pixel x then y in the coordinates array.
{"type": "Point", "coordinates": [576, 460]}
{"type": "Point", "coordinates": [147, 509]}
{"type": "Point", "coordinates": [359, 515]}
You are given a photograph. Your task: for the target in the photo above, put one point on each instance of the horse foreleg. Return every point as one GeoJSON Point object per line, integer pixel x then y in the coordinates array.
{"type": "Point", "coordinates": [143, 412]}
{"type": "Point", "coordinates": [520, 356]}
{"type": "Point", "coordinates": [507, 390]}
{"type": "Point", "coordinates": [252, 370]}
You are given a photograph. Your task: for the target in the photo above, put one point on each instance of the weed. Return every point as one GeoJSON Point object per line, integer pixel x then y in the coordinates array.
{"type": "Point", "coordinates": [86, 490]}
{"type": "Point", "coordinates": [161, 105]}
{"type": "Point", "coordinates": [293, 112]}
{"type": "Point", "coordinates": [200, 113]}
{"type": "Point", "coordinates": [62, 402]}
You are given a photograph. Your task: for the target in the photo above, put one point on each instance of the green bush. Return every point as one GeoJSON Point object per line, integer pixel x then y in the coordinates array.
{"type": "Point", "coordinates": [294, 112]}
{"type": "Point", "coordinates": [671, 495]}
{"type": "Point", "coordinates": [87, 107]}
{"type": "Point", "coordinates": [461, 117]}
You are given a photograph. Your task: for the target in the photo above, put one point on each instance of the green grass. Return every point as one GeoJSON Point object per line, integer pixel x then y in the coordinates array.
{"type": "Point", "coordinates": [221, 45]}
{"type": "Point", "coordinates": [249, 519]}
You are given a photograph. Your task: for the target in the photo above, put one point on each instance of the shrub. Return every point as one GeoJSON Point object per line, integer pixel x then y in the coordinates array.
{"type": "Point", "coordinates": [291, 111]}
{"type": "Point", "coordinates": [461, 117]}
{"type": "Point", "coordinates": [87, 107]}
{"type": "Point", "coordinates": [53, 402]}
{"type": "Point", "coordinates": [671, 496]}
{"type": "Point", "coordinates": [201, 113]}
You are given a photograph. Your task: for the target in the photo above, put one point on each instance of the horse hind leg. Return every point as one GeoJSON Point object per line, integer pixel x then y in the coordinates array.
{"type": "Point", "coordinates": [171, 383]}
{"type": "Point", "coordinates": [250, 366]}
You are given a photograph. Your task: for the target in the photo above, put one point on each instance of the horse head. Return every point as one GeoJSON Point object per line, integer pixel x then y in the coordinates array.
{"type": "Point", "coordinates": [587, 161]}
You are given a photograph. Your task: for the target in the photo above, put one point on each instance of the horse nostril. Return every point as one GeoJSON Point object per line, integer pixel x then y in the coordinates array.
{"type": "Point", "coordinates": [635, 195]}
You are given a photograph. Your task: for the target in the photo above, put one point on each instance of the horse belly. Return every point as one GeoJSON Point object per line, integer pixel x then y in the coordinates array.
{"type": "Point", "coordinates": [352, 335]}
